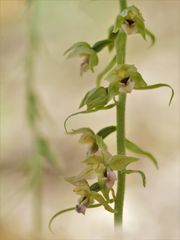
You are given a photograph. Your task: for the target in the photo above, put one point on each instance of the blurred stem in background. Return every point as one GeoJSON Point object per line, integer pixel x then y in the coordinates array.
{"type": "Point", "coordinates": [32, 106]}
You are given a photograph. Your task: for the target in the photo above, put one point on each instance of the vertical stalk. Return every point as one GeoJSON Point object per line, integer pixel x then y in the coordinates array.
{"type": "Point", "coordinates": [120, 118]}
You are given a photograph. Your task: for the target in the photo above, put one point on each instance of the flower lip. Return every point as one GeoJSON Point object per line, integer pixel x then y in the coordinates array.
{"type": "Point", "coordinates": [130, 22]}
{"type": "Point", "coordinates": [81, 208]}
{"type": "Point", "coordinates": [125, 80]}
{"type": "Point", "coordinates": [110, 178]}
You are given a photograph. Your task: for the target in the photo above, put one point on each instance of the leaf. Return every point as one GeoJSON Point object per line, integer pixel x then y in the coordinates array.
{"type": "Point", "coordinates": [104, 132]}
{"type": "Point", "coordinates": [151, 36]}
{"type": "Point", "coordinates": [140, 172]}
{"type": "Point", "coordinates": [98, 46]}
{"type": "Point", "coordinates": [64, 211]}
{"type": "Point", "coordinates": [58, 214]}
{"type": "Point", "coordinates": [32, 107]}
{"type": "Point", "coordinates": [119, 162]}
{"type": "Point", "coordinates": [102, 201]}
{"type": "Point", "coordinates": [136, 149]}
{"type": "Point", "coordinates": [45, 151]}
{"type": "Point", "coordinates": [158, 86]}
{"type": "Point", "coordinates": [106, 70]}
{"type": "Point", "coordinates": [85, 112]}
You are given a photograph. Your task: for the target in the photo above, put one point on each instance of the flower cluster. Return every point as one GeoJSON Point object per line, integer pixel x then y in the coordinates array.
{"type": "Point", "coordinates": [100, 166]}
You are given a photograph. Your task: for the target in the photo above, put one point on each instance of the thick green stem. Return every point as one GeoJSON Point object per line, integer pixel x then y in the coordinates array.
{"type": "Point", "coordinates": [120, 117]}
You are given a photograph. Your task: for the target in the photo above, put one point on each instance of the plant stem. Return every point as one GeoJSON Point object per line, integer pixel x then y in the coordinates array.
{"type": "Point", "coordinates": [120, 118]}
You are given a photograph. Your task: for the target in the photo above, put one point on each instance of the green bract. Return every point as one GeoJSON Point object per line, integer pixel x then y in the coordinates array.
{"type": "Point", "coordinates": [95, 98]}
{"type": "Point", "coordinates": [83, 49]}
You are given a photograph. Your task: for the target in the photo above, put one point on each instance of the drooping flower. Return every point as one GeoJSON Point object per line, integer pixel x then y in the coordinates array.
{"type": "Point", "coordinates": [83, 49]}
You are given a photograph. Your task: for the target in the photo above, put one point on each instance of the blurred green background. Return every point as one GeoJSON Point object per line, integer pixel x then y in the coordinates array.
{"type": "Point", "coordinates": [150, 213]}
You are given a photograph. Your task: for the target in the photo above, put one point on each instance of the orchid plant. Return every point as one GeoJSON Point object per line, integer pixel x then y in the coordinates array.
{"type": "Point", "coordinates": [95, 183]}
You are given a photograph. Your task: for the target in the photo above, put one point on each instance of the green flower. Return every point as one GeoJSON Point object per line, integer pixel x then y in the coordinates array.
{"type": "Point", "coordinates": [130, 21]}
{"type": "Point", "coordinates": [83, 49]}
{"type": "Point", "coordinates": [124, 78]}
{"type": "Point", "coordinates": [89, 138]}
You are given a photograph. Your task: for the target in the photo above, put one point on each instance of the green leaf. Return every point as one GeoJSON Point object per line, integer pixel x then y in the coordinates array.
{"type": "Point", "coordinates": [104, 132]}
{"type": "Point", "coordinates": [64, 211]}
{"type": "Point", "coordinates": [58, 214]}
{"type": "Point", "coordinates": [136, 149]}
{"type": "Point", "coordinates": [98, 46]}
{"type": "Point", "coordinates": [105, 71]}
{"type": "Point", "coordinates": [158, 86]}
{"type": "Point", "coordinates": [85, 112]}
{"type": "Point", "coordinates": [119, 162]}
{"type": "Point", "coordinates": [141, 174]}
{"type": "Point", "coordinates": [151, 36]}
{"type": "Point", "coordinates": [99, 198]}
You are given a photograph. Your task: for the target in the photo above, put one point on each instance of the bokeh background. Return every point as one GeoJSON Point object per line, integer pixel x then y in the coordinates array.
{"type": "Point", "coordinates": [151, 213]}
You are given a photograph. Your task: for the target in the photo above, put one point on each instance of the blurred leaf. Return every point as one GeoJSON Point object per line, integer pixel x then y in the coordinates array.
{"type": "Point", "coordinates": [141, 174]}
{"type": "Point", "coordinates": [158, 86]}
{"type": "Point", "coordinates": [119, 162]}
{"type": "Point", "coordinates": [85, 112]}
{"type": "Point", "coordinates": [32, 107]}
{"type": "Point", "coordinates": [136, 149]}
{"type": "Point", "coordinates": [45, 150]}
